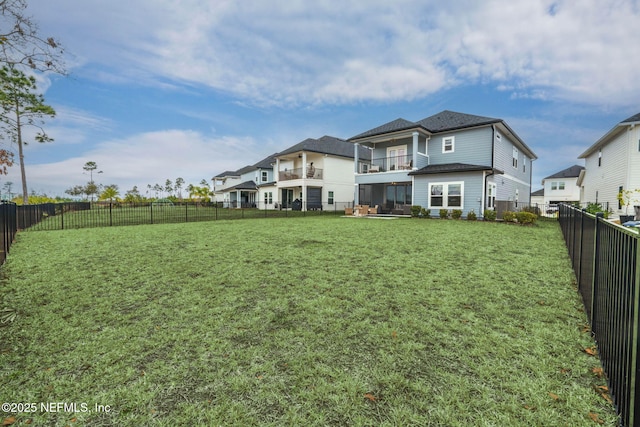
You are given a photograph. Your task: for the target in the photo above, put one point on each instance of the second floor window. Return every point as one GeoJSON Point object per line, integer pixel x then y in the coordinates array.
{"type": "Point", "coordinates": [265, 176]}
{"type": "Point", "coordinates": [448, 144]}
{"type": "Point", "coordinates": [514, 161]}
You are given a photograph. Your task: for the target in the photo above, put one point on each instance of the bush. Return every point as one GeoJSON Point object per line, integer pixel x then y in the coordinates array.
{"type": "Point", "coordinates": [415, 210]}
{"type": "Point", "coordinates": [509, 216]}
{"type": "Point", "coordinates": [526, 217]}
{"type": "Point", "coordinates": [594, 208]}
{"type": "Point", "coordinates": [471, 216]}
{"type": "Point", "coordinates": [426, 212]}
{"type": "Point", "coordinates": [489, 215]}
{"type": "Point", "coordinates": [456, 214]}
{"type": "Point", "coordinates": [444, 214]}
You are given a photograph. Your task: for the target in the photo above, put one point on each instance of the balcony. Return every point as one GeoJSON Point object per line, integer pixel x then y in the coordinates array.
{"type": "Point", "coordinates": [386, 164]}
{"type": "Point", "coordinates": [300, 173]}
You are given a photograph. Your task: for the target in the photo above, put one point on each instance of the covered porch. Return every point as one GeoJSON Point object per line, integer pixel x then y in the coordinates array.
{"type": "Point", "coordinates": [393, 198]}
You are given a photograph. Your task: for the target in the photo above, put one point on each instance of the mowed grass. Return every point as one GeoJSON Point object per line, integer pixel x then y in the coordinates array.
{"type": "Point", "coordinates": [300, 321]}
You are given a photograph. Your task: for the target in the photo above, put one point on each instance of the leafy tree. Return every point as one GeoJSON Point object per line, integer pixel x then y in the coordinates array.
{"type": "Point", "coordinates": [133, 195]}
{"type": "Point", "coordinates": [20, 42]}
{"type": "Point", "coordinates": [157, 188]}
{"type": "Point", "coordinates": [20, 107]}
{"type": "Point", "coordinates": [110, 193]}
{"type": "Point", "coordinates": [178, 187]}
{"type": "Point", "coordinates": [90, 167]}
{"type": "Point", "coordinates": [6, 161]}
{"type": "Point", "coordinates": [7, 188]}
{"type": "Point", "coordinates": [199, 193]}
{"type": "Point", "coordinates": [91, 189]}
{"type": "Point", "coordinates": [77, 190]}
{"type": "Point", "coordinates": [168, 187]}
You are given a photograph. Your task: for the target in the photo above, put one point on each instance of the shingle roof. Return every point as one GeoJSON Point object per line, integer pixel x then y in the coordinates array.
{"type": "Point", "coordinates": [225, 174]}
{"type": "Point", "coordinates": [632, 119]}
{"type": "Point", "coordinates": [441, 122]}
{"type": "Point", "coordinates": [538, 192]}
{"type": "Point", "coordinates": [394, 126]}
{"type": "Point", "coordinates": [267, 162]}
{"type": "Point", "coordinates": [324, 145]}
{"type": "Point", "coordinates": [247, 185]}
{"type": "Point", "coordinates": [571, 172]}
{"type": "Point", "coordinates": [452, 167]}
{"type": "Point", "coordinates": [449, 120]}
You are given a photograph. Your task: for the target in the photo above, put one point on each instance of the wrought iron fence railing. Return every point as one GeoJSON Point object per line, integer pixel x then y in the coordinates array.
{"type": "Point", "coordinates": [606, 261]}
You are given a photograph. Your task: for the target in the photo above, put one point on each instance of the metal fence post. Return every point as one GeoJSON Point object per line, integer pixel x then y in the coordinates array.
{"type": "Point", "coordinates": [110, 215]}
{"type": "Point", "coordinates": [594, 283]}
{"type": "Point", "coordinates": [62, 216]}
{"type": "Point", "coordinates": [634, 407]}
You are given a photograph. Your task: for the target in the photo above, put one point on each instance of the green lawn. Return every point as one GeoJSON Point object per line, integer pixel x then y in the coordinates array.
{"type": "Point", "coordinates": [299, 321]}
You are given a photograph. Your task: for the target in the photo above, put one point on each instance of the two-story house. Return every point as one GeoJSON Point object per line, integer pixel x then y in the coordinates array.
{"type": "Point", "coordinates": [612, 165]}
{"type": "Point", "coordinates": [317, 173]}
{"type": "Point", "coordinates": [562, 187]}
{"type": "Point", "coordinates": [447, 161]}
{"type": "Point", "coordinates": [240, 188]}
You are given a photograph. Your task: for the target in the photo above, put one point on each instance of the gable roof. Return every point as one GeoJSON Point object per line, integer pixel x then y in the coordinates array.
{"type": "Point", "coordinates": [609, 135]}
{"type": "Point", "coordinates": [570, 172]}
{"type": "Point", "coordinates": [450, 120]}
{"type": "Point", "coordinates": [226, 174]}
{"type": "Point", "coordinates": [325, 145]}
{"type": "Point", "coordinates": [453, 167]}
{"type": "Point", "coordinates": [538, 192]}
{"type": "Point", "coordinates": [267, 162]}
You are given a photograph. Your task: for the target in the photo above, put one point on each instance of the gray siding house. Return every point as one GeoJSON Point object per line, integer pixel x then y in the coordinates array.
{"type": "Point", "coordinates": [447, 161]}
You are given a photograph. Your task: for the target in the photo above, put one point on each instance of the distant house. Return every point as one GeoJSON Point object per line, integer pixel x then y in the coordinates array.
{"type": "Point", "coordinates": [562, 186]}
{"type": "Point", "coordinates": [447, 161]}
{"type": "Point", "coordinates": [612, 164]}
{"type": "Point", "coordinates": [239, 188]}
{"type": "Point", "coordinates": [317, 173]}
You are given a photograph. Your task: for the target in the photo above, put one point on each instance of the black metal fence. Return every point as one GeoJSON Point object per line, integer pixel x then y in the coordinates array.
{"type": "Point", "coordinates": [606, 262]}
{"type": "Point", "coordinates": [61, 216]}
{"type": "Point", "coordinates": [8, 228]}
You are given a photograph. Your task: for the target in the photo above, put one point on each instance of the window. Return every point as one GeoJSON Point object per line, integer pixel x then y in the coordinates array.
{"type": "Point", "coordinates": [600, 157]}
{"type": "Point", "coordinates": [514, 161]}
{"type": "Point", "coordinates": [446, 195]}
{"type": "Point", "coordinates": [554, 185]}
{"type": "Point", "coordinates": [264, 176]}
{"type": "Point", "coordinates": [524, 164]}
{"type": "Point", "coordinates": [268, 198]}
{"type": "Point", "coordinates": [620, 189]}
{"type": "Point", "coordinates": [448, 144]}
{"type": "Point", "coordinates": [398, 194]}
{"type": "Point", "coordinates": [330, 198]}
{"type": "Point", "coordinates": [396, 157]}
{"type": "Point", "coordinates": [561, 185]}
{"type": "Point", "coordinates": [491, 196]}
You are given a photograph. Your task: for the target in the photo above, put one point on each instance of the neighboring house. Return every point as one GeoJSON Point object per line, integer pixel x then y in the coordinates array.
{"type": "Point", "coordinates": [537, 197]}
{"type": "Point", "coordinates": [239, 188]}
{"type": "Point", "coordinates": [562, 186]}
{"type": "Point", "coordinates": [612, 164]}
{"type": "Point", "coordinates": [446, 161]}
{"type": "Point", "coordinates": [316, 173]}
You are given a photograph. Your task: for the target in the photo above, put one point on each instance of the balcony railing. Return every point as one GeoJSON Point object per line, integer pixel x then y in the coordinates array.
{"type": "Point", "coordinates": [300, 173]}
{"type": "Point", "coordinates": [385, 164]}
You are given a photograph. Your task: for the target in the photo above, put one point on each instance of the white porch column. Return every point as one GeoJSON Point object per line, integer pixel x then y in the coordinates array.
{"type": "Point", "coordinates": [238, 199]}
{"type": "Point", "coordinates": [304, 181]}
{"type": "Point", "coordinates": [414, 151]}
{"type": "Point", "coordinates": [356, 149]}
{"type": "Point", "coordinates": [276, 176]}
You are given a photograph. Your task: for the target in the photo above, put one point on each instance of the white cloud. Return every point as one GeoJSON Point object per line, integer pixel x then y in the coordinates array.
{"type": "Point", "coordinates": [142, 159]}
{"type": "Point", "coordinates": [335, 52]}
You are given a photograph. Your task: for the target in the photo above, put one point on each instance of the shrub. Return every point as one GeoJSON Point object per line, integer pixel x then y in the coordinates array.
{"type": "Point", "coordinates": [489, 215]}
{"type": "Point", "coordinates": [426, 212]}
{"type": "Point", "coordinates": [456, 214]}
{"type": "Point", "coordinates": [526, 217]}
{"type": "Point", "coordinates": [594, 208]}
{"type": "Point", "coordinates": [509, 216]}
{"type": "Point", "coordinates": [444, 214]}
{"type": "Point", "coordinates": [471, 216]}
{"type": "Point", "coordinates": [415, 210]}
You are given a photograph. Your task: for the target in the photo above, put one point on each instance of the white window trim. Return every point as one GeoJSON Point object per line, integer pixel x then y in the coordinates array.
{"type": "Point", "coordinates": [445, 195]}
{"type": "Point", "coordinates": [492, 188]}
{"type": "Point", "coordinates": [397, 160]}
{"type": "Point", "coordinates": [264, 176]}
{"type": "Point", "coordinates": [514, 159]}
{"type": "Point", "coordinates": [444, 144]}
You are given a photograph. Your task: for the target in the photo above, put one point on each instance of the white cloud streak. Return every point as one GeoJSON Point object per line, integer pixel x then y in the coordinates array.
{"type": "Point", "coordinates": [300, 52]}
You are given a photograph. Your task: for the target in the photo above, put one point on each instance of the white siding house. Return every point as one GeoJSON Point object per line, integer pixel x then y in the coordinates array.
{"type": "Point", "coordinates": [612, 164]}
{"type": "Point", "coordinates": [562, 186]}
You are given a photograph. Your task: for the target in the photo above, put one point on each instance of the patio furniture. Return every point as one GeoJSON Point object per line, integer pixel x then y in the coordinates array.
{"type": "Point", "coordinates": [374, 210]}
{"type": "Point", "coordinates": [374, 168]}
{"type": "Point", "coordinates": [348, 211]}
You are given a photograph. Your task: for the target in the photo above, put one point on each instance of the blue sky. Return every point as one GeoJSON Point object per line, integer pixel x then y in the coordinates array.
{"type": "Point", "coordinates": [160, 89]}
